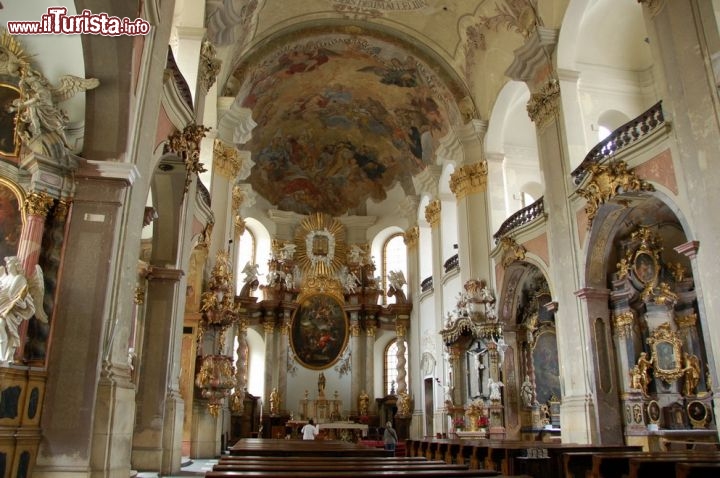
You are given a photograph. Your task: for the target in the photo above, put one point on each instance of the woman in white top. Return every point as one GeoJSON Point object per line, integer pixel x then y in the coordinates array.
{"type": "Point", "coordinates": [310, 431]}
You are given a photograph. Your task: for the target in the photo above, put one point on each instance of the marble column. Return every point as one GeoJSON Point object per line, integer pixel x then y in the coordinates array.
{"type": "Point", "coordinates": [270, 361]}
{"type": "Point", "coordinates": [37, 206]}
{"type": "Point", "coordinates": [469, 184]}
{"type": "Point", "coordinates": [282, 358]}
{"type": "Point", "coordinates": [401, 332]}
{"type": "Point", "coordinates": [240, 368]}
{"type": "Point", "coordinates": [370, 329]}
{"type": "Point", "coordinates": [358, 363]}
{"type": "Point", "coordinates": [160, 408]}
{"type": "Point", "coordinates": [532, 65]}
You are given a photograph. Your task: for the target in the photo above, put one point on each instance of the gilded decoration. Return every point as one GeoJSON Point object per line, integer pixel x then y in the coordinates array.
{"type": "Point", "coordinates": [666, 353]}
{"type": "Point", "coordinates": [607, 181]}
{"type": "Point", "coordinates": [469, 179]}
{"type": "Point", "coordinates": [400, 331]}
{"type": "Point", "coordinates": [226, 161]}
{"type": "Point", "coordinates": [186, 145]}
{"type": "Point", "coordinates": [654, 6]}
{"type": "Point", "coordinates": [686, 321]}
{"type": "Point", "coordinates": [139, 295]}
{"type": "Point", "coordinates": [622, 324]}
{"type": "Point", "coordinates": [517, 15]}
{"type": "Point", "coordinates": [544, 103]}
{"type": "Point", "coordinates": [62, 208]}
{"type": "Point", "coordinates": [209, 65]}
{"type": "Point", "coordinates": [217, 303]}
{"type": "Point", "coordinates": [432, 212]}
{"type": "Point", "coordinates": [354, 330]}
{"type": "Point", "coordinates": [238, 226]}
{"type": "Point", "coordinates": [677, 270]}
{"type": "Point", "coordinates": [511, 251]}
{"type": "Point", "coordinates": [38, 204]}
{"type": "Point", "coordinates": [411, 237]}
{"type": "Point", "coordinates": [321, 248]}
{"type": "Point", "coordinates": [341, 118]}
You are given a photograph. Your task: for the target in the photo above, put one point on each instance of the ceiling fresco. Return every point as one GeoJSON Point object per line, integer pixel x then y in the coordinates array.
{"type": "Point", "coordinates": [340, 120]}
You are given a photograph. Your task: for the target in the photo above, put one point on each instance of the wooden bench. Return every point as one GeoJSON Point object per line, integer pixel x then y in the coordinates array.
{"type": "Point", "coordinates": [353, 474]}
{"type": "Point", "coordinates": [697, 469]}
{"type": "Point", "coordinates": [612, 464]}
{"type": "Point", "coordinates": [663, 466]}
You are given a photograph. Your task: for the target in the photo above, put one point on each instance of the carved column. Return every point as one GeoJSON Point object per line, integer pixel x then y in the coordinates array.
{"type": "Point", "coordinates": [241, 368]}
{"type": "Point", "coordinates": [270, 362]}
{"type": "Point", "coordinates": [370, 330]}
{"type": "Point", "coordinates": [469, 184]}
{"type": "Point", "coordinates": [401, 332]}
{"type": "Point", "coordinates": [533, 65]}
{"type": "Point", "coordinates": [356, 362]}
{"type": "Point", "coordinates": [282, 361]}
{"type": "Point", "coordinates": [457, 374]}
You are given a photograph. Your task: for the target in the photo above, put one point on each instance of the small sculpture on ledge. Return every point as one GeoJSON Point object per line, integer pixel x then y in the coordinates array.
{"type": "Point", "coordinates": [527, 392]}
{"type": "Point", "coordinates": [691, 371]}
{"type": "Point", "coordinates": [397, 281]}
{"type": "Point", "coordinates": [639, 375]}
{"type": "Point", "coordinates": [274, 402]}
{"type": "Point", "coordinates": [494, 387]}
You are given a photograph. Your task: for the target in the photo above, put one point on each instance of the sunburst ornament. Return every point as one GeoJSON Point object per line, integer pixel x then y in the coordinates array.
{"type": "Point", "coordinates": [321, 248]}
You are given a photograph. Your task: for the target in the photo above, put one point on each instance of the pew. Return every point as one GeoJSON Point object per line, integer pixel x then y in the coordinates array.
{"type": "Point", "coordinates": [663, 466]}
{"type": "Point", "coordinates": [612, 464]}
{"type": "Point", "coordinates": [697, 469]}
{"type": "Point", "coordinates": [354, 474]}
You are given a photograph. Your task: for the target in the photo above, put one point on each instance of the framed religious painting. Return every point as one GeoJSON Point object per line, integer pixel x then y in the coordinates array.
{"type": "Point", "coordinates": [319, 331]}
{"type": "Point", "coordinates": [11, 219]}
{"type": "Point", "coordinates": [9, 141]}
{"type": "Point", "coordinates": [645, 267]}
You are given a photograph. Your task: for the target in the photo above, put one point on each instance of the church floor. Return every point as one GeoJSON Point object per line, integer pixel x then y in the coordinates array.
{"type": "Point", "coordinates": [189, 468]}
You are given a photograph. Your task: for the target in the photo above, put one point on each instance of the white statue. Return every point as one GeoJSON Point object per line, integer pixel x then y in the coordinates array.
{"type": "Point", "coordinates": [494, 390]}
{"type": "Point", "coordinates": [396, 279]}
{"type": "Point", "coordinates": [20, 299]}
{"type": "Point", "coordinates": [355, 256]}
{"type": "Point", "coordinates": [287, 253]}
{"type": "Point", "coordinates": [289, 281]}
{"type": "Point", "coordinates": [349, 280]}
{"type": "Point", "coordinates": [251, 272]}
{"type": "Point", "coordinates": [501, 348]}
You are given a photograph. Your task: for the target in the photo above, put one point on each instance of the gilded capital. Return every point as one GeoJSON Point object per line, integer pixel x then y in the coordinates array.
{"type": "Point", "coordinates": [242, 326]}
{"type": "Point", "coordinates": [469, 179]}
{"type": "Point", "coordinates": [354, 330]}
{"type": "Point", "coordinates": [238, 226]}
{"type": "Point", "coordinates": [139, 296]}
{"type": "Point", "coordinates": [370, 330]}
{"type": "Point", "coordinates": [400, 331]}
{"type": "Point", "coordinates": [411, 237]}
{"type": "Point", "coordinates": [511, 251]}
{"type": "Point", "coordinates": [544, 103]}
{"type": "Point", "coordinates": [38, 204]}
{"type": "Point", "coordinates": [269, 327]}
{"type": "Point", "coordinates": [226, 160]}
{"type": "Point", "coordinates": [432, 212]}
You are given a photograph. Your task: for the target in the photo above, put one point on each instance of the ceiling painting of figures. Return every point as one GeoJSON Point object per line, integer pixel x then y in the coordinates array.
{"type": "Point", "coordinates": [340, 120]}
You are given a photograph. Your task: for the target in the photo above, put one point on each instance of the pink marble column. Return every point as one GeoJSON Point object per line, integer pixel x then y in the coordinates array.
{"type": "Point", "coordinates": [37, 206]}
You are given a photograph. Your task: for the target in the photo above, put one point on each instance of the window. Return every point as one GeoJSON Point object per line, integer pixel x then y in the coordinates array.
{"type": "Point", "coordinates": [394, 258]}
{"type": "Point", "coordinates": [246, 253]}
{"type": "Point", "coordinates": [391, 371]}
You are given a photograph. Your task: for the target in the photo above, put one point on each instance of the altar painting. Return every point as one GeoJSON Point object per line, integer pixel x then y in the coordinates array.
{"type": "Point", "coordinates": [10, 222]}
{"type": "Point", "coordinates": [319, 331]}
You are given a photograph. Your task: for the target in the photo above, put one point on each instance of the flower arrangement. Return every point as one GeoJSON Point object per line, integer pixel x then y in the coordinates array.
{"type": "Point", "coordinates": [483, 421]}
{"type": "Point", "coordinates": [458, 422]}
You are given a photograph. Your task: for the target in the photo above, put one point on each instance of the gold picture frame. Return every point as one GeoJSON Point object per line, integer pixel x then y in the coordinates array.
{"type": "Point", "coordinates": [319, 332]}
{"type": "Point", "coordinates": [666, 353]}
{"type": "Point", "coordinates": [697, 413]}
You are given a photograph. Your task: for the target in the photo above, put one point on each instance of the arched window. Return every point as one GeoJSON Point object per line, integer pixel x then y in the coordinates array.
{"type": "Point", "coordinates": [394, 258]}
{"type": "Point", "coordinates": [391, 371]}
{"type": "Point", "coordinates": [246, 253]}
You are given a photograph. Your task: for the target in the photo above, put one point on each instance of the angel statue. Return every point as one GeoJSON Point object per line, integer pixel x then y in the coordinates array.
{"type": "Point", "coordinates": [397, 281]}
{"type": "Point", "coordinates": [494, 387]}
{"type": "Point", "coordinates": [38, 114]}
{"type": "Point", "coordinates": [251, 272]}
{"type": "Point", "coordinates": [20, 299]}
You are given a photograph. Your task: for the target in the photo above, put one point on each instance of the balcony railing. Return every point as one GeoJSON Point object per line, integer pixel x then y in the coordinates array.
{"type": "Point", "coordinates": [452, 263]}
{"type": "Point", "coordinates": [627, 134]}
{"type": "Point", "coordinates": [203, 193]}
{"type": "Point", "coordinates": [524, 216]}
{"type": "Point", "coordinates": [179, 79]}
{"type": "Point", "coordinates": [426, 284]}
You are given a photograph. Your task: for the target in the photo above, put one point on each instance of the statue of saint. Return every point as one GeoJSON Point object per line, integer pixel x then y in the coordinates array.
{"type": "Point", "coordinates": [526, 392]}
{"type": "Point", "coordinates": [363, 402]}
{"type": "Point", "coordinates": [274, 402]}
{"type": "Point", "coordinates": [691, 370]}
{"type": "Point", "coordinates": [494, 387]}
{"type": "Point", "coordinates": [321, 385]}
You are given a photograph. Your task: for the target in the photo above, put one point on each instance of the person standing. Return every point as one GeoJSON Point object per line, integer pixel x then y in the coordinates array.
{"type": "Point", "coordinates": [390, 437]}
{"type": "Point", "coordinates": [310, 431]}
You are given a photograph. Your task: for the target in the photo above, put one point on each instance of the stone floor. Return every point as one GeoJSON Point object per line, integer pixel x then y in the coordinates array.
{"type": "Point", "coordinates": [189, 468]}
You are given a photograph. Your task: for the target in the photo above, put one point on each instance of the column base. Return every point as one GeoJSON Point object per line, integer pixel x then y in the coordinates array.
{"type": "Point", "coordinates": [578, 420]}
